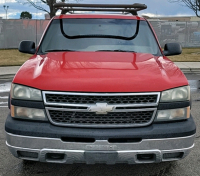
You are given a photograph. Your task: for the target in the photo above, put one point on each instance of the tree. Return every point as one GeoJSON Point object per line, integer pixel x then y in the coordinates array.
{"type": "Point", "coordinates": [192, 4]}
{"type": "Point", "coordinates": [25, 15]}
{"type": "Point", "coordinates": [52, 11]}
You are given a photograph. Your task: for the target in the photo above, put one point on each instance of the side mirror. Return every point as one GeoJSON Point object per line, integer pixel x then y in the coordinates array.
{"type": "Point", "coordinates": [27, 47]}
{"type": "Point", "coordinates": [171, 49]}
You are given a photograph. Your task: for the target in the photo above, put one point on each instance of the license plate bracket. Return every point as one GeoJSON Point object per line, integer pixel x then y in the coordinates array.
{"type": "Point", "coordinates": [101, 157]}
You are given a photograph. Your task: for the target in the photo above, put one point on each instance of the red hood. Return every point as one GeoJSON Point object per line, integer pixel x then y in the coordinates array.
{"type": "Point", "coordinates": [100, 72]}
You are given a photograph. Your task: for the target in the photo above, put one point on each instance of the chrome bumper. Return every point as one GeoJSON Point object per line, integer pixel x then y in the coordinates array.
{"type": "Point", "coordinates": [54, 150]}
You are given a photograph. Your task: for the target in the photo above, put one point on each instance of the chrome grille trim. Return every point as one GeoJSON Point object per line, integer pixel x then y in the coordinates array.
{"type": "Point", "coordinates": [101, 94]}
{"type": "Point", "coordinates": [87, 108]}
{"type": "Point", "coordinates": [102, 125]}
{"type": "Point", "coordinates": [114, 110]}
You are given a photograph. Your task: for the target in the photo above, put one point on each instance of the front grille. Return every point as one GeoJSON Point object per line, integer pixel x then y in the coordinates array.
{"type": "Point", "coordinates": [91, 118]}
{"type": "Point", "coordinates": [89, 99]}
{"type": "Point", "coordinates": [104, 110]}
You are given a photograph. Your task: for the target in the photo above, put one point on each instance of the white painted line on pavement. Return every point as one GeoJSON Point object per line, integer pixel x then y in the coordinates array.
{"type": "Point", "coordinates": [4, 102]}
{"type": "Point", "coordinates": [6, 97]}
{"type": "Point", "coordinates": [5, 87]}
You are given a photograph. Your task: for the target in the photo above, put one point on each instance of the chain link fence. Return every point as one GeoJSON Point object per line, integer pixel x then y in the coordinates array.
{"type": "Point", "coordinates": [14, 31]}
{"type": "Point", "coordinates": [186, 33]}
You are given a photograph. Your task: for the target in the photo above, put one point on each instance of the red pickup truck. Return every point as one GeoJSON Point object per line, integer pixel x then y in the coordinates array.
{"type": "Point", "coordinates": [99, 89]}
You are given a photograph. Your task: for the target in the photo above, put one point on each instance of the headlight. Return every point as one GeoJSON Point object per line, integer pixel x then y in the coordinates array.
{"type": "Point", "coordinates": [25, 93]}
{"type": "Point", "coordinates": [28, 113]}
{"type": "Point", "coordinates": [173, 114]}
{"type": "Point", "coordinates": [177, 94]}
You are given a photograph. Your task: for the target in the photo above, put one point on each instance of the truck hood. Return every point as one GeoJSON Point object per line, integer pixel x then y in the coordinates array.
{"type": "Point", "coordinates": [100, 72]}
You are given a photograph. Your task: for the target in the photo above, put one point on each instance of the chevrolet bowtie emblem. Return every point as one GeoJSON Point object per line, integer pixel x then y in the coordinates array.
{"type": "Point", "coordinates": [101, 108]}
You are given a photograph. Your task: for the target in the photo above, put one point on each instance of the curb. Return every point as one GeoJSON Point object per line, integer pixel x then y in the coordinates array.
{"type": "Point", "coordinates": [190, 70]}
{"type": "Point", "coordinates": [7, 76]}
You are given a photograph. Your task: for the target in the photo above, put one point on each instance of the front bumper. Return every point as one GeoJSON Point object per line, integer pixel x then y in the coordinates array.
{"type": "Point", "coordinates": [54, 150]}
{"type": "Point", "coordinates": [45, 142]}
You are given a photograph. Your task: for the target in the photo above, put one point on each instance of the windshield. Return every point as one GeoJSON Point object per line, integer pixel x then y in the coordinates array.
{"type": "Point", "coordinates": [99, 35]}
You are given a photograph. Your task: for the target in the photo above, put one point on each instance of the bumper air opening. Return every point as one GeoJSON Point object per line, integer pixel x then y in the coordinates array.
{"type": "Point", "coordinates": [175, 155]}
{"type": "Point", "coordinates": [124, 140]}
{"type": "Point", "coordinates": [55, 156]}
{"type": "Point", "coordinates": [24, 154]}
{"type": "Point", "coordinates": [146, 157]}
{"type": "Point", "coordinates": [82, 140]}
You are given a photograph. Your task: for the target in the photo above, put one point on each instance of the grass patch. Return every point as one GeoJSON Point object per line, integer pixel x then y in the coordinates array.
{"type": "Point", "coordinates": [12, 57]}
{"type": "Point", "coordinates": [188, 55]}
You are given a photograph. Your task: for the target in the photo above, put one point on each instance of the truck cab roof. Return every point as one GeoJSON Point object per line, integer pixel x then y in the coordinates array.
{"type": "Point", "coordinates": [99, 16]}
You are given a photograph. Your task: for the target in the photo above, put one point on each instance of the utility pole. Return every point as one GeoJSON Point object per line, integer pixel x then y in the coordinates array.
{"type": "Point", "coordinates": [6, 9]}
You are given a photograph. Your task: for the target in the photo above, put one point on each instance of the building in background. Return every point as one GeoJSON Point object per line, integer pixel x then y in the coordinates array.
{"type": "Point", "coordinates": [184, 30]}
{"type": "Point", "coordinates": [175, 18]}
{"type": "Point", "coordinates": [47, 16]}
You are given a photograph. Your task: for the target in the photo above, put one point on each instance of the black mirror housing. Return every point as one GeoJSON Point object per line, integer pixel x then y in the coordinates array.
{"type": "Point", "coordinates": [27, 47]}
{"type": "Point", "coordinates": [171, 49]}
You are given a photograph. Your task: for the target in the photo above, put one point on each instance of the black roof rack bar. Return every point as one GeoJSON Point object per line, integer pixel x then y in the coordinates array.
{"type": "Point", "coordinates": [131, 8]}
{"type": "Point", "coordinates": [136, 5]}
{"type": "Point", "coordinates": [99, 10]}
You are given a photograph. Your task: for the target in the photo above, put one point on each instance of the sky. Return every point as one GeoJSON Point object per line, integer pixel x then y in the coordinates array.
{"type": "Point", "coordinates": [155, 8]}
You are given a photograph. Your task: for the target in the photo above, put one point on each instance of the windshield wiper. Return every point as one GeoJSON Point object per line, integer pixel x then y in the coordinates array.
{"type": "Point", "coordinates": [57, 50]}
{"type": "Point", "coordinates": [118, 50]}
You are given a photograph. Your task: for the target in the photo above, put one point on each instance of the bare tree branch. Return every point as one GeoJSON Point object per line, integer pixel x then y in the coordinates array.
{"type": "Point", "coordinates": [36, 6]}
{"type": "Point", "coordinates": [192, 4]}
{"type": "Point", "coordinates": [52, 11]}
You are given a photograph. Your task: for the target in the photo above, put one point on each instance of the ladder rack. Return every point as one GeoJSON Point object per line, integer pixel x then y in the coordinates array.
{"type": "Point", "coordinates": [124, 8]}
